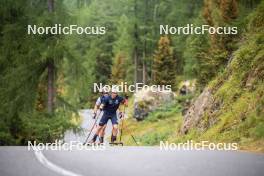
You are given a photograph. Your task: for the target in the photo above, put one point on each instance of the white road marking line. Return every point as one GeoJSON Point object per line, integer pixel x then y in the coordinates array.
{"type": "Point", "coordinates": [44, 161]}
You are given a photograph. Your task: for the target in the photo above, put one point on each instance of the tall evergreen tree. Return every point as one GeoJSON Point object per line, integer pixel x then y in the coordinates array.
{"type": "Point", "coordinates": [123, 51]}
{"type": "Point", "coordinates": [215, 14]}
{"type": "Point", "coordinates": [229, 9]}
{"type": "Point", "coordinates": [163, 68]}
{"type": "Point", "coordinates": [118, 70]}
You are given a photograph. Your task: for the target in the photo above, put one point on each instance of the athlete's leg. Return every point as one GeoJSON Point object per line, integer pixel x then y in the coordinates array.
{"type": "Point", "coordinates": [101, 125]}
{"type": "Point", "coordinates": [99, 128]}
{"type": "Point", "coordinates": [115, 128]}
{"type": "Point", "coordinates": [102, 133]}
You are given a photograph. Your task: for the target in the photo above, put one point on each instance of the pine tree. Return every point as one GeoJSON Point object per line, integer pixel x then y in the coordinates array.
{"type": "Point", "coordinates": [163, 68]}
{"type": "Point", "coordinates": [207, 12]}
{"type": "Point", "coordinates": [215, 14]}
{"type": "Point", "coordinates": [24, 73]}
{"type": "Point", "coordinates": [229, 9]}
{"type": "Point", "coordinates": [123, 49]}
{"type": "Point", "coordinates": [102, 65]}
{"type": "Point", "coordinates": [118, 70]}
{"type": "Point", "coordinates": [194, 54]}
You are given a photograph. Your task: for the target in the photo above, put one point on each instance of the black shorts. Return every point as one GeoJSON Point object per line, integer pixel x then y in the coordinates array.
{"type": "Point", "coordinates": [107, 117]}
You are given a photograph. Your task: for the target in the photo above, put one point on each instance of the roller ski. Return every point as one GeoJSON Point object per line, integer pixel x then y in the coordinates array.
{"type": "Point", "coordinates": [116, 143]}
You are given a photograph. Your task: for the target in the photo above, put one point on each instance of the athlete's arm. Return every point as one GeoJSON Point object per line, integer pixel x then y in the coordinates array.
{"type": "Point", "coordinates": [124, 101]}
{"type": "Point", "coordinates": [96, 106]}
{"type": "Point", "coordinates": [101, 107]}
{"type": "Point", "coordinates": [103, 103]}
{"type": "Point", "coordinates": [95, 110]}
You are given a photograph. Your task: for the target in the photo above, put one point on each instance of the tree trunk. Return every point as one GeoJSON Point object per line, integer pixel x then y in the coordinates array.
{"type": "Point", "coordinates": [136, 65]}
{"type": "Point", "coordinates": [144, 68]}
{"type": "Point", "coordinates": [51, 71]}
{"type": "Point", "coordinates": [51, 5]}
{"type": "Point", "coordinates": [136, 43]}
{"type": "Point", "coordinates": [51, 87]}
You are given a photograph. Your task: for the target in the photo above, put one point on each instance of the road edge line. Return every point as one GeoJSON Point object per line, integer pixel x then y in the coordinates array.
{"type": "Point", "coordinates": [44, 161]}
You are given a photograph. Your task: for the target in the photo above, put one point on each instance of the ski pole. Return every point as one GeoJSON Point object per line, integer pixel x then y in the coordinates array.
{"type": "Point", "coordinates": [122, 122]}
{"type": "Point", "coordinates": [92, 127]}
{"type": "Point", "coordinates": [134, 139]}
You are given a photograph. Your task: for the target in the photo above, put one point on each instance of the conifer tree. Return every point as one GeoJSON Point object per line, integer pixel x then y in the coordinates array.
{"type": "Point", "coordinates": [163, 68]}
{"type": "Point", "coordinates": [215, 14]}
{"type": "Point", "coordinates": [229, 9]}
{"type": "Point", "coordinates": [123, 49]}
{"type": "Point", "coordinates": [118, 70]}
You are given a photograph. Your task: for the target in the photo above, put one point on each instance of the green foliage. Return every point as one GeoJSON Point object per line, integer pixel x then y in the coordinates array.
{"type": "Point", "coordinates": [163, 112]}
{"type": "Point", "coordinates": [256, 19]}
{"type": "Point", "coordinates": [229, 9]}
{"type": "Point", "coordinates": [239, 89]}
{"type": "Point", "coordinates": [153, 138]}
{"type": "Point", "coordinates": [24, 60]}
{"type": "Point", "coordinates": [41, 128]}
{"type": "Point", "coordinates": [118, 70]}
{"type": "Point", "coordinates": [122, 69]}
{"type": "Point", "coordinates": [126, 50]}
{"type": "Point", "coordinates": [160, 125]}
{"type": "Point", "coordinates": [196, 47]}
{"type": "Point", "coordinates": [181, 99]}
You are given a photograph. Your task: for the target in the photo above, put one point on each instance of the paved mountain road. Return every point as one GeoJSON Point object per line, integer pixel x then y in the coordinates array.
{"type": "Point", "coordinates": [127, 161]}
{"type": "Point", "coordinates": [131, 161]}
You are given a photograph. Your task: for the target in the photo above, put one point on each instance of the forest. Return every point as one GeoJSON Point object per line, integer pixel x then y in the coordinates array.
{"type": "Point", "coordinates": [46, 79]}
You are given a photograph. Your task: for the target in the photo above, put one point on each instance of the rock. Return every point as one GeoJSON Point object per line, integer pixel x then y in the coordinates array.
{"type": "Point", "coordinates": [202, 105]}
{"type": "Point", "coordinates": [147, 101]}
{"type": "Point", "coordinates": [183, 90]}
{"type": "Point", "coordinates": [187, 87]}
{"type": "Point", "coordinates": [186, 107]}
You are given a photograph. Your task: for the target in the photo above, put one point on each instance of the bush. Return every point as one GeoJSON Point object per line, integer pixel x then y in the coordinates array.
{"type": "Point", "coordinates": [153, 138]}
{"type": "Point", "coordinates": [41, 127]}
{"type": "Point", "coordinates": [37, 126]}
{"type": "Point", "coordinates": [163, 112]}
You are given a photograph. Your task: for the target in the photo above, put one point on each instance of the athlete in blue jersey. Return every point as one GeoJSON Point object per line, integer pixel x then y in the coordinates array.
{"type": "Point", "coordinates": [110, 106]}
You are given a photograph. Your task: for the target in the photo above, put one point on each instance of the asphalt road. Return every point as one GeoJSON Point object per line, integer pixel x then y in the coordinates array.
{"type": "Point", "coordinates": [130, 161]}
{"type": "Point", "coordinates": [127, 161]}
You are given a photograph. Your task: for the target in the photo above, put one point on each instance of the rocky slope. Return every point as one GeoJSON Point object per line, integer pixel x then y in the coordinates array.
{"type": "Point", "coordinates": [231, 107]}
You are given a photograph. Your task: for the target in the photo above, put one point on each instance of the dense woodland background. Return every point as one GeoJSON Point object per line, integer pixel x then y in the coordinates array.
{"type": "Point", "coordinates": [45, 79]}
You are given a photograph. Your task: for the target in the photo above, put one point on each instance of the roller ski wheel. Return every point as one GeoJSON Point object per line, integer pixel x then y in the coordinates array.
{"type": "Point", "coordinates": [116, 144]}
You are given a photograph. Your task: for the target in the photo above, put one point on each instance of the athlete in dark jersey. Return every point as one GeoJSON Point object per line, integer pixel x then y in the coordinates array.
{"type": "Point", "coordinates": [109, 106]}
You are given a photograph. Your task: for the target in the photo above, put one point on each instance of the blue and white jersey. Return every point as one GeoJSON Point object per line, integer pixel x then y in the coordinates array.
{"type": "Point", "coordinates": [100, 100]}
{"type": "Point", "coordinates": [111, 104]}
